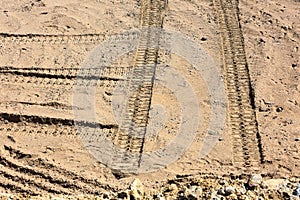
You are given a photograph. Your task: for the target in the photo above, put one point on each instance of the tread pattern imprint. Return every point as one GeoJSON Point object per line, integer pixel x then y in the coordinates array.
{"type": "Point", "coordinates": [52, 108]}
{"type": "Point", "coordinates": [44, 177]}
{"type": "Point", "coordinates": [247, 148]}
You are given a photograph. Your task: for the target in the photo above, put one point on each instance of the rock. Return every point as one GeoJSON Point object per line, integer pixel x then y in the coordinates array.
{"type": "Point", "coordinates": [173, 187]}
{"type": "Point", "coordinates": [106, 195]}
{"type": "Point", "coordinates": [251, 195]}
{"type": "Point", "coordinates": [122, 195]}
{"type": "Point", "coordinates": [11, 138]}
{"type": "Point", "coordinates": [242, 190]}
{"type": "Point", "coordinates": [194, 192]}
{"type": "Point", "coordinates": [261, 41]}
{"type": "Point", "coordinates": [255, 180]}
{"type": "Point", "coordinates": [223, 182]}
{"type": "Point", "coordinates": [229, 190]}
{"type": "Point", "coordinates": [203, 39]}
{"type": "Point", "coordinates": [296, 192]}
{"type": "Point", "coordinates": [243, 197]}
{"type": "Point", "coordinates": [279, 109]}
{"type": "Point", "coordinates": [285, 28]}
{"type": "Point", "coordinates": [160, 196]}
{"type": "Point", "coordinates": [216, 197]}
{"type": "Point", "coordinates": [49, 149]}
{"type": "Point", "coordinates": [275, 184]}
{"type": "Point", "coordinates": [226, 191]}
{"type": "Point", "coordinates": [221, 191]}
{"type": "Point", "coordinates": [233, 197]}
{"type": "Point", "coordinates": [172, 190]}
{"type": "Point", "coordinates": [263, 106]}
{"type": "Point", "coordinates": [136, 190]}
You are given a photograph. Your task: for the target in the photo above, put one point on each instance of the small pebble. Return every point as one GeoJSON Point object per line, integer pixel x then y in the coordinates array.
{"type": "Point", "coordinates": [279, 109]}
{"type": "Point", "coordinates": [160, 196]}
{"type": "Point", "coordinates": [223, 182]}
{"type": "Point", "coordinates": [229, 190]}
{"type": "Point", "coordinates": [296, 192]}
{"type": "Point", "coordinates": [136, 189]}
{"type": "Point", "coordinates": [11, 138]}
{"type": "Point", "coordinates": [264, 107]}
{"type": "Point", "coordinates": [255, 180]}
{"type": "Point", "coordinates": [221, 191]}
{"type": "Point", "coordinates": [122, 195]}
{"type": "Point", "coordinates": [233, 197]}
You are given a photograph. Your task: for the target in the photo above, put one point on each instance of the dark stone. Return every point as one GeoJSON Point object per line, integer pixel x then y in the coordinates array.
{"type": "Point", "coordinates": [294, 65]}
{"type": "Point", "coordinates": [279, 109]}
{"type": "Point", "coordinates": [296, 192]}
{"type": "Point", "coordinates": [122, 195]}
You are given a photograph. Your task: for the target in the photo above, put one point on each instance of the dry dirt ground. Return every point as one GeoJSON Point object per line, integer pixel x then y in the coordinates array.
{"type": "Point", "coordinates": [44, 43]}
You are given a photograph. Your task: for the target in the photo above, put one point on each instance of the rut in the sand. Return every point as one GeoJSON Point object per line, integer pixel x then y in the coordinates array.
{"type": "Point", "coordinates": [135, 110]}
{"type": "Point", "coordinates": [247, 147]}
{"type": "Point", "coordinates": [51, 39]}
{"type": "Point", "coordinates": [40, 176]}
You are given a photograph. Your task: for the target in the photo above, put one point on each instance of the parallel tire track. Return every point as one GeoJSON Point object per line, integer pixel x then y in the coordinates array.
{"type": "Point", "coordinates": [36, 184]}
{"type": "Point", "coordinates": [247, 147]}
{"type": "Point", "coordinates": [135, 113]}
{"type": "Point", "coordinates": [13, 187]}
{"type": "Point", "coordinates": [61, 77]}
{"type": "Point", "coordinates": [43, 177]}
{"type": "Point", "coordinates": [52, 80]}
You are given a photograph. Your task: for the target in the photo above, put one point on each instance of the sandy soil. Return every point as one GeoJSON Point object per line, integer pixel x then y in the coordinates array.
{"type": "Point", "coordinates": [41, 153]}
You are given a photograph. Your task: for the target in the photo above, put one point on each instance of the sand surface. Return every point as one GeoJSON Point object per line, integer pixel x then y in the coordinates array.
{"type": "Point", "coordinates": [45, 42]}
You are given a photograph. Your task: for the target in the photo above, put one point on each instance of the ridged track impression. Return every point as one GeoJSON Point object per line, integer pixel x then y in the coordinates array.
{"type": "Point", "coordinates": [247, 149]}
{"type": "Point", "coordinates": [35, 125]}
{"type": "Point", "coordinates": [51, 39]}
{"type": "Point", "coordinates": [135, 113]}
{"type": "Point", "coordinates": [41, 177]}
{"type": "Point", "coordinates": [51, 80]}
{"type": "Point", "coordinates": [64, 77]}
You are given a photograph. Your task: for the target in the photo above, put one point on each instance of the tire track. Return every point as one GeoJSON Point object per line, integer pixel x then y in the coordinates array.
{"type": "Point", "coordinates": [35, 184]}
{"type": "Point", "coordinates": [62, 77]}
{"type": "Point", "coordinates": [53, 79]}
{"type": "Point", "coordinates": [42, 177]}
{"type": "Point", "coordinates": [42, 165]}
{"type": "Point", "coordinates": [51, 39]}
{"type": "Point", "coordinates": [66, 73]}
{"type": "Point", "coordinates": [50, 104]}
{"type": "Point", "coordinates": [61, 39]}
{"type": "Point", "coordinates": [135, 112]}
{"type": "Point", "coordinates": [247, 148]}
{"type": "Point", "coordinates": [14, 187]}
{"type": "Point", "coordinates": [31, 125]}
